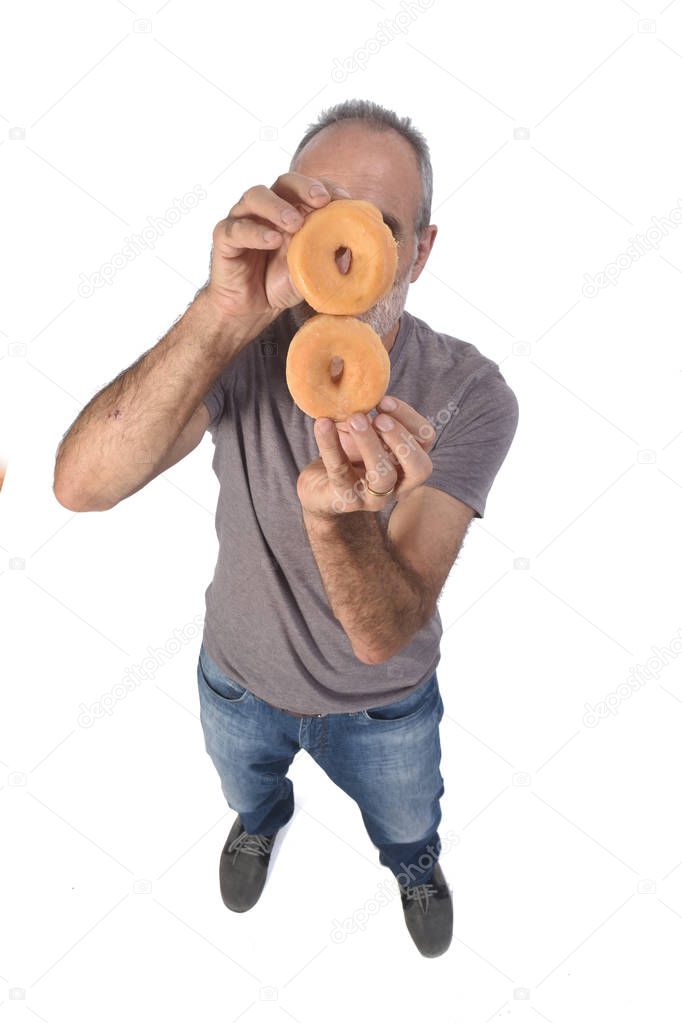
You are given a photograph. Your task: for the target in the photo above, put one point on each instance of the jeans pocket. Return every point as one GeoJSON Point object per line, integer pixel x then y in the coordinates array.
{"type": "Point", "coordinates": [407, 707]}
{"type": "Point", "coordinates": [217, 683]}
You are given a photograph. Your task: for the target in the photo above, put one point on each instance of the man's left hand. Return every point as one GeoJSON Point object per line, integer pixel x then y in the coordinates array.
{"type": "Point", "coordinates": [393, 459]}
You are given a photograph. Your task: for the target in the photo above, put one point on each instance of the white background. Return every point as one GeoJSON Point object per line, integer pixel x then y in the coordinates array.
{"type": "Point", "coordinates": [562, 834]}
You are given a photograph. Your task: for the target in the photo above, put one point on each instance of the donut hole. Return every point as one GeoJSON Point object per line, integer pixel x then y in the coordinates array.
{"type": "Point", "coordinates": [343, 257]}
{"type": "Point", "coordinates": [335, 368]}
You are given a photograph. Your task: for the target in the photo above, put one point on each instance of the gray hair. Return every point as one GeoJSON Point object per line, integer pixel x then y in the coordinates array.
{"type": "Point", "coordinates": [381, 119]}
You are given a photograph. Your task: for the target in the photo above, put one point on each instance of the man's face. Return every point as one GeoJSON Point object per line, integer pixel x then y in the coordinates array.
{"type": "Point", "coordinates": [381, 168]}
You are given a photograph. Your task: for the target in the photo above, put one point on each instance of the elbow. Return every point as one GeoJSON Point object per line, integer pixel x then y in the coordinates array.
{"type": "Point", "coordinates": [369, 656]}
{"type": "Point", "coordinates": [75, 502]}
{"type": "Point", "coordinates": [379, 655]}
{"type": "Point", "coordinates": [65, 498]}
{"type": "Point", "coordinates": [66, 501]}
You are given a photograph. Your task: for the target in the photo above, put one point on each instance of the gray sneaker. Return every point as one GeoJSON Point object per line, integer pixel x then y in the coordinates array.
{"type": "Point", "coordinates": [428, 913]}
{"type": "Point", "coordinates": [244, 867]}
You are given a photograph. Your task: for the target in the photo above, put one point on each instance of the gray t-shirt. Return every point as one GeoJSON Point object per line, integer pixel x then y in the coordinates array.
{"type": "Point", "coordinates": [268, 622]}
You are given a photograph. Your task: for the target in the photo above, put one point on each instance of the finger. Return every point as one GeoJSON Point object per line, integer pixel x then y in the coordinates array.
{"type": "Point", "coordinates": [415, 423]}
{"type": "Point", "coordinates": [380, 465]}
{"type": "Point", "coordinates": [234, 235]}
{"type": "Point", "coordinates": [414, 461]}
{"type": "Point", "coordinates": [262, 202]}
{"type": "Point", "coordinates": [339, 469]}
{"type": "Point", "coordinates": [311, 193]}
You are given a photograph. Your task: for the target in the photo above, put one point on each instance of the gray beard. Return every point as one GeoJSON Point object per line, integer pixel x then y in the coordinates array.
{"type": "Point", "coordinates": [382, 316]}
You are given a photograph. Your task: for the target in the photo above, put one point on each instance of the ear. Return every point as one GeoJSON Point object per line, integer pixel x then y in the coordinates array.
{"type": "Point", "coordinates": [424, 246]}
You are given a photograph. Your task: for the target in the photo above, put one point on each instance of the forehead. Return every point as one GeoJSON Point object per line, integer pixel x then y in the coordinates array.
{"type": "Point", "coordinates": [380, 166]}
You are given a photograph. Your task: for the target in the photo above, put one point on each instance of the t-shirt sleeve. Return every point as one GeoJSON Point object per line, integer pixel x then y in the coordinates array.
{"type": "Point", "coordinates": [214, 400]}
{"type": "Point", "coordinates": [474, 442]}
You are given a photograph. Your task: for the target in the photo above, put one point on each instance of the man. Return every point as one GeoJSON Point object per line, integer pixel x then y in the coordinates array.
{"type": "Point", "coordinates": [321, 630]}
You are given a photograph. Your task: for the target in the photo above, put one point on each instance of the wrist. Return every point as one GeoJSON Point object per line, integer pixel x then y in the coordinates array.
{"type": "Point", "coordinates": [340, 524]}
{"type": "Point", "coordinates": [229, 328]}
{"type": "Point", "coordinates": [320, 521]}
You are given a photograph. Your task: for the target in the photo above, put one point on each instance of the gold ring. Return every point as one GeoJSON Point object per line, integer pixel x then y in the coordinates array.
{"type": "Point", "coordinates": [385, 494]}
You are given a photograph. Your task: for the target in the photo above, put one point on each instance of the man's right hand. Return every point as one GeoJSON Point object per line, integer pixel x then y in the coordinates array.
{"type": "Point", "coordinates": [249, 273]}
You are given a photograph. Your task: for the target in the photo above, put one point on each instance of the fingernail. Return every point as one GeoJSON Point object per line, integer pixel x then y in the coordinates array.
{"type": "Point", "coordinates": [324, 425]}
{"type": "Point", "coordinates": [384, 422]}
{"type": "Point", "coordinates": [358, 421]}
{"type": "Point", "coordinates": [318, 189]}
{"type": "Point", "coordinates": [343, 192]}
{"type": "Point", "coordinates": [271, 236]}
{"type": "Point", "coordinates": [288, 216]}
{"type": "Point", "coordinates": [388, 404]}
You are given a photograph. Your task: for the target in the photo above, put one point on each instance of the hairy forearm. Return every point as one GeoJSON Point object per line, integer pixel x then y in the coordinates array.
{"type": "Point", "coordinates": [379, 600]}
{"type": "Point", "coordinates": [115, 445]}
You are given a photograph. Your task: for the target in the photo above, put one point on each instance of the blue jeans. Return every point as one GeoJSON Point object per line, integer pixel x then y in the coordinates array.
{"type": "Point", "coordinates": [385, 758]}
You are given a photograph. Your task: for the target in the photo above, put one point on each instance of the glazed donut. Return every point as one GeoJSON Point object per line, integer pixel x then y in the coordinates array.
{"type": "Point", "coordinates": [351, 224]}
{"type": "Point", "coordinates": [322, 385]}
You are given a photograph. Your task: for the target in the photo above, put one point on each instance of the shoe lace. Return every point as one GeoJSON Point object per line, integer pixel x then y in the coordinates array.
{"type": "Point", "coordinates": [253, 845]}
{"type": "Point", "coordinates": [421, 893]}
